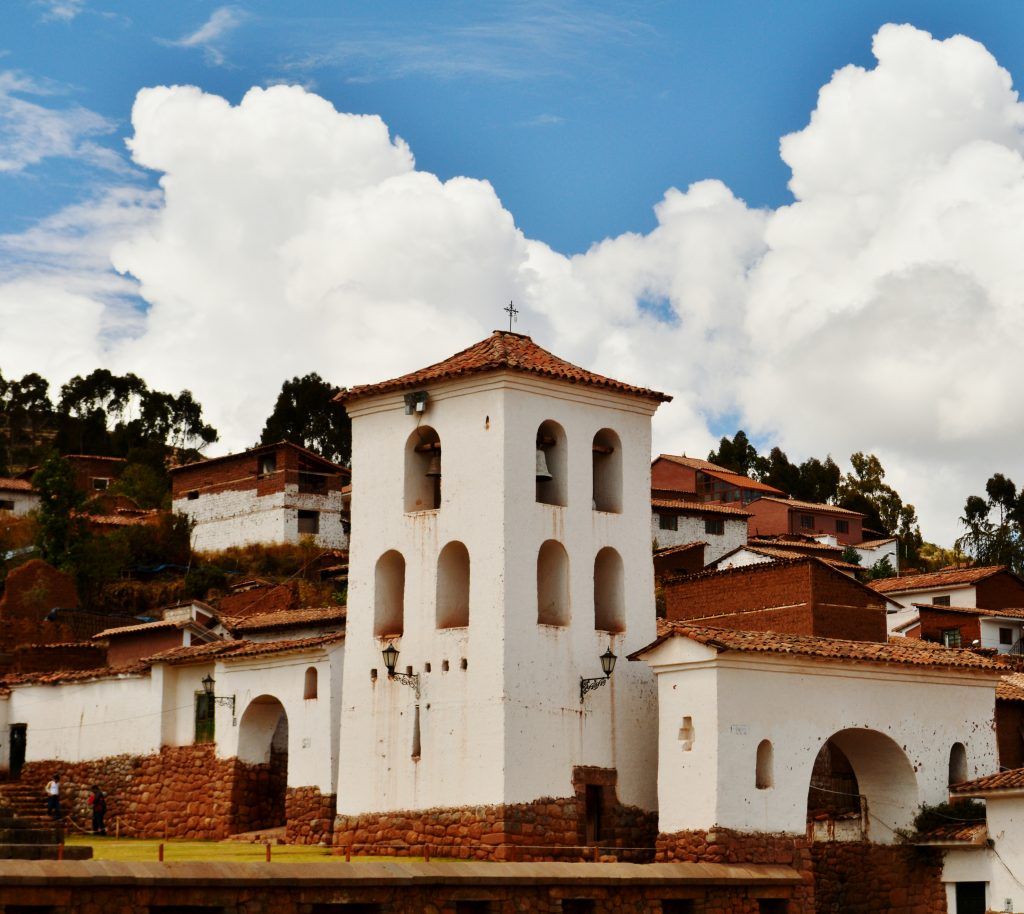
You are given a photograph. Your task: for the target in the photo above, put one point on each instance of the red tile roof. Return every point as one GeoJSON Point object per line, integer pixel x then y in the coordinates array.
{"type": "Point", "coordinates": [59, 676]}
{"type": "Point", "coordinates": [238, 650]}
{"type": "Point", "coordinates": [501, 351]}
{"type": "Point", "coordinates": [776, 553]}
{"type": "Point", "coordinates": [954, 833]}
{"type": "Point", "coordinates": [973, 611]}
{"type": "Point", "coordinates": [1002, 780]}
{"type": "Point", "coordinates": [954, 577]}
{"type": "Point", "coordinates": [874, 544]}
{"type": "Point", "coordinates": [683, 547]}
{"type": "Point", "coordinates": [906, 653]}
{"type": "Point", "coordinates": [813, 506]}
{"type": "Point", "coordinates": [728, 476]}
{"type": "Point", "coordinates": [15, 485]}
{"type": "Point", "coordinates": [288, 618]}
{"type": "Point", "coordinates": [696, 507]}
{"type": "Point", "coordinates": [1011, 688]}
{"type": "Point", "coordinates": [151, 626]}
{"type": "Point", "coordinates": [793, 541]}
{"type": "Point", "coordinates": [262, 449]}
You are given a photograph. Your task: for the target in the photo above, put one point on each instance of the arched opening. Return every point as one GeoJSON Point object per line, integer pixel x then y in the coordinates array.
{"type": "Point", "coordinates": [552, 584]}
{"type": "Point", "coordinates": [609, 599]}
{"type": "Point", "coordinates": [258, 791]}
{"type": "Point", "coordinates": [453, 586]}
{"type": "Point", "coordinates": [764, 775]}
{"type": "Point", "coordinates": [389, 595]}
{"type": "Point", "coordinates": [423, 470]}
{"type": "Point", "coordinates": [863, 786]}
{"type": "Point", "coordinates": [607, 463]}
{"type": "Point", "coordinates": [551, 463]}
{"type": "Point", "coordinates": [309, 687]}
{"type": "Point", "coordinates": [957, 764]}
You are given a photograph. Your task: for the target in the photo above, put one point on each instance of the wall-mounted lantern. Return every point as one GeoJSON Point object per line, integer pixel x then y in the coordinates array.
{"type": "Point", "coordinates": [390, 655]}
{"type": "Point", "coordinates": [607, 667]}
{"type": "Point", "coordinates": [415, 402]}
{"type": "Point", "coordinates": [208, 684]}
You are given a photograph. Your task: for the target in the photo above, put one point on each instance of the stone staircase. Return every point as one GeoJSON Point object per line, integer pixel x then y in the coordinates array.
{"type": "Point", "coordinates": [26, 830]}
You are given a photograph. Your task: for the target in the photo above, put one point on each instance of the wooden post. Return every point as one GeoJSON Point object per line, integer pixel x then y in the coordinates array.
{"type": "Point", "coordinates": [268, 852]}
{"type": "Point", "coordinates": [426, 853]}
{"type": "Point", "coordinates": [117, 826]}
{"type": "Point", "coordinates": [597, 853]}
{"type": "Point", "coordinates": [348, 853]}
{"type": "Point", "coordinates": [60, 851]}
{"type": "Point", "coordinates": [160, 853]}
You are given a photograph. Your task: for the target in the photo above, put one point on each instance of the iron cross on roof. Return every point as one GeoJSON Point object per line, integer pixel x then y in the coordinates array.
{"type": "Point", "coordinates": [512, 311]}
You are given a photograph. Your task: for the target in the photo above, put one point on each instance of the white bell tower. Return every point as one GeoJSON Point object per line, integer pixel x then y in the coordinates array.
{"type": "Point", "coordinates": [501, 544]}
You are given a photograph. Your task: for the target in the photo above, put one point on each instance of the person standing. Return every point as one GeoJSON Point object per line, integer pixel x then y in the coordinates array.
{"type": "Point", "coordinates": [98, 802]}
{"type": "Point", "coordinates": [53, 798]}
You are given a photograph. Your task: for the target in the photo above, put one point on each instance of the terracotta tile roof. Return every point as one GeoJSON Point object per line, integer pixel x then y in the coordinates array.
{"type": "Point", "coordinates": [908, 652]}
{"type": "Point", "coordinates": [15, 485]}
{"type": "Point", "coordinates": [152, 626]}
{"type": "Point", "coordinates": [120, 520]}
{"type": "Point", "coordinates": [874, 544]}
{"type": "Point", "coordinates": [682, 547]}
{"type": "Point", "coordinates": [696, 507]}
{"type": "Point", "coordinates": [721, 473]}
{"type": "Point", "coordinates": [238, 650]}
{"type": "Point", "coordinates": [793, 541]}
{"type": "Point", "coordinates": [812, 506]}
{"type": "Point", "coordinates": [954, 833]}
{"type": "Point", "coordinates": [773, 553]}
{"type": "Point", "coordinates": [973, 611]}
{"type": "Point", "coordinates": [501, 351]}
{"type": "Point", "coordinates": [288, 618]}
{"type": "Point", "coordinates": [262, 449]}
{"type": "Point", "coordinates": [1011, 688]}
{"type": "Point", "coordinates": [954, 577]}
{"type": "Point", "coordinates": [59, 676]}
{"type": "Point", "coordinates": [1002, 780]}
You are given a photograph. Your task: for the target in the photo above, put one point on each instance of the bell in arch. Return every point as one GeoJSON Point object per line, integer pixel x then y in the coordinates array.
{"type": "Point", "coordinates": [543, 473]}
{"type": "Point", "coordinates": [434, 467]}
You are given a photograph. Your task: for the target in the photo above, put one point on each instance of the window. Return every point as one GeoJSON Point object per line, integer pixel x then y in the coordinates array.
{"type": "Point", "coordinates": [422, 470]}
{"type": "Point", "coordinates": [842, 526]}
{"type": "Point", "coordinates": [389, 595]}
{"type": "Point", "coordinates": [607, 471]}
{"type": "Point", "coordinates": [312, 483]}
{"type": "Point", "coordinates": [452, 598]}
{"type": "Point", "coordinates": [677, 906]}
{"type": "Point", "coordinates": [951, 637]}
{"type": "Point", "coordinates": [6, 504]}
{"type": "Point", "coordinates": [99, 483]}
{"type": "Point", "coordinates": [668, 521]}
{"type": "Point", "coordinates": [764, 776]}
{"type": "Point", "coordinates": [714, 526]}
{"type": "Point", "coordinates": [473, 907]}
{"type": "Point", "coordinates": [552, 584]}
{"type": "Point", "coordinates": [940, 601]}
{"type": "Point", "coordinates": [204, 718]}
{"type": "Point", "coordinates": [193, 495]}
{"type": "Point", "coordinates": [1005, 634]}
{"type": "Point", "coordinates": [686, 734]}
{"type": "Point", "coordinates": [957, 764]}
{"type": "Point", "coordinates": [266, 465]}
{"type": "Point", "coordinates": [550, 464]}
{"type": "Point", "coordinates": [309, 690]}
{"type": "Point", "coordinates": [807, 521]}
{"type": "Point", "coordinates": [593, 803]}
{"type": "Point", "coordinates": [309, 523]}
{"type": "Point", "coordinates": [772, 906]}
{"type": "Point", "coordinates": [609, 599]}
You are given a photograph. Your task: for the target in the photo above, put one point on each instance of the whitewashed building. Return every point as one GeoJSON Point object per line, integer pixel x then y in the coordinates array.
{"type": "Point", "coordinates": [677, 522]}
{"type": "Point", "coordinates": [17, 497]}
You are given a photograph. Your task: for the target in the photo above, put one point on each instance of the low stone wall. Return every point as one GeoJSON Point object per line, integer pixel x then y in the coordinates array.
{"type": "Point", "coordinates": [181, 792]}
{"type": "Point", "coordinates": [310, 815]}
{"type": "Point", "coordinates": [862, 878]}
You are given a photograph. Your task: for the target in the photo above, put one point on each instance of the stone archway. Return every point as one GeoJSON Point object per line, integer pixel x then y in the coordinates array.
{"type": "Point", "coordinates": [862, 786]}
{"type": "Point", "coordinates": [261, 776]}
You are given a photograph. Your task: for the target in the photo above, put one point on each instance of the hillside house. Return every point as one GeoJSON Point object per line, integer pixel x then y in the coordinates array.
{"type": "Point", "coordinates": [183, 624]}
{"type": "Point", "coordinates": [999, 630]}
{"type": "Point", "coordinates": [702, 480]}
{"type": "Point", "coordinates": [17, 497]}
{"type": "Point", "coordinates": [772, 516]}
{"type": "Point", "coordinates": [276, 493]}
{"type": "Point", "coordinates": [677, 522]}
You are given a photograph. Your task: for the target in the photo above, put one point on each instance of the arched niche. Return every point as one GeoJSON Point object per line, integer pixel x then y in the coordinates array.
{"type": "Point", "coordinates": [389, 594]}
{"type": "Point", "coordinates": [551, 453]}
{"type": "Point", "coordinates": [422, 470]}
{"type": "Point", "coordinates": [764, 772]}
{"type": "Point", "coordinates": [453, 586]}
{"type": "Point", "coordinates": [609, 591]}
{"type": "Point", "coordinates": [309, 686]}
{"type": "Point", "coordinates": [553, 584]}
{"type": "Point", "coordinates": [957, 764]}
{"type": "Point", "coordinates": [607, 471]}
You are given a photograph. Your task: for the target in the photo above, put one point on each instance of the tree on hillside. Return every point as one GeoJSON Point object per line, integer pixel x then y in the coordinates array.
{"type": "Point", "coordinates": [739, 455]}
{"type": "Point", "coordinates": [994, 525]}
{"type": "Point", "coordinates": [27, 421]}
{"type": "Point", "coordinates": [60, 531]}
{"type": "Point", "coordinates": [813, 480]}
{"type": "Point", "coordinates": [305, 414]}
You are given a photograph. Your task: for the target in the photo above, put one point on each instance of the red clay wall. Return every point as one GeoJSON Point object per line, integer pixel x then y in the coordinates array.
{"type": "Point", "coordinates": [1001, 591]}
{"type": "Point", "coordinates": [775, 517]}
{"type": "Point", "coordinates": [183, 792]}
{"type": "Point", "coordinates": [46, 658]}
{"type": "Point", "coordinates": [126, 649]}
{"type": "Point", "coordinates": [668, 475]}
{"type": "Point", "coordinates": [85, 468]}
{"type": "Point", "coordinates": [935, 621]}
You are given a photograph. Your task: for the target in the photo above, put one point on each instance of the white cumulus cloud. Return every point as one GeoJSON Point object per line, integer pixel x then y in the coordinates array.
{"type": "Point", "coordinates": [881, 310]}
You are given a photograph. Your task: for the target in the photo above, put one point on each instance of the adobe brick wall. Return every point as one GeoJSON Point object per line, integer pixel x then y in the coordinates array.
{"type": "Point", "coordinates": [259, 600]}
{"type": "Point", "coordinates": [672, 476]}
{"type": "Point", "coordinates": [310, 815]}
{"type": "Point", "coordinates": [85, 468]}
{"type": "Point", "coordinates": [182, 792]}
{"type": "Point", "coordinates": [45, 658]}
{"type": "Point", "coordinates": [773, 517]}
{"type": "Point", "coordinates": [126, 649]}
{"type": "Point", "coordinates": [799, 597]}
{"type": "Point", "coordinates": [1010, 733]}
{"type": "Point", "coordinates": [1001, 591]}
{"type": "Point", "coordinates": [935, 621]}
{"type": "Point", "coordinates": [546, 829]}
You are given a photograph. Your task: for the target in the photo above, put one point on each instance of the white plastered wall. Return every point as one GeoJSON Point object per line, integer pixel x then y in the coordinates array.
{"type": "Point", "coordinates": [24, 503]}
{"type": "Point", "coordinates": [1002, 867]}
{"type": "Point", "coordinates": [510, 727]}
{"type": "Point", "coordinates": [958, 596]}
{"type": "Point", "coordinates": [869, 556]}
{"type": "Point", "coordinates": [797, 704]}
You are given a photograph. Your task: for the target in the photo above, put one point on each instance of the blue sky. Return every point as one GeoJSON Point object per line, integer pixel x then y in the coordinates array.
{"type": "Point", "coordinates": [580, 114]}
